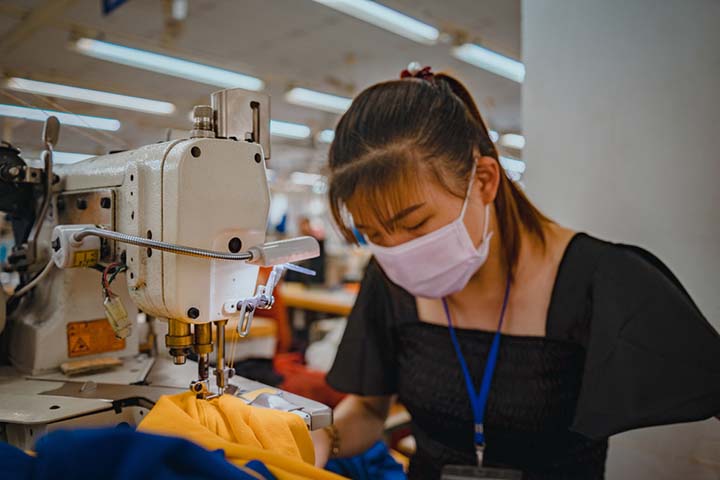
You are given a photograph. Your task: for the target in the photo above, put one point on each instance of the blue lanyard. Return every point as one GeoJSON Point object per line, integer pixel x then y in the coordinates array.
{"type": "Point", "coordinates": [478, 401]}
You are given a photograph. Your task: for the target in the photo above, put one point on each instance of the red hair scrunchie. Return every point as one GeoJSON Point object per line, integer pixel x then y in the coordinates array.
{"type": "Point", "coordinates": [414, 71]}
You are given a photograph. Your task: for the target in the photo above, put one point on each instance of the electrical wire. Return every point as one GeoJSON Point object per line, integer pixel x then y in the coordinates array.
{"type": "Point", "coordinates": [105, 285]}
{"type": "Point", "coordinates": [32, 283]}
{"type": "Point", "coordinates": [81, 131]}
{"type": "Point", "coordinates": [117, 271]}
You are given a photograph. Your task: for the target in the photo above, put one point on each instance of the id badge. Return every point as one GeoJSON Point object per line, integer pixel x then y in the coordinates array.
{"type": "Point", "coordinates": [467, 472]}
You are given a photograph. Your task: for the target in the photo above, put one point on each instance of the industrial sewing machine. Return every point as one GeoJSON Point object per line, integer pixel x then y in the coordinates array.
{"type": "Point", "coordinates": [174, 231]}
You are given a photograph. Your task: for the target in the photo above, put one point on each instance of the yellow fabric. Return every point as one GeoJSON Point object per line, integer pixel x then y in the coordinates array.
{"type": "Point", "coordinates": [278, 439]}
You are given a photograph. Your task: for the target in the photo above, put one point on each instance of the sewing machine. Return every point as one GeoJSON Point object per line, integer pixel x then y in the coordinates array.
{"type": "Point", "coordinates": [172, 231]}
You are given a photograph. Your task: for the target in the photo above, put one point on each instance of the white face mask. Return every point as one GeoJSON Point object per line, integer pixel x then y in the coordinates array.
{"type": "Point", "coordinates": [439, 263]}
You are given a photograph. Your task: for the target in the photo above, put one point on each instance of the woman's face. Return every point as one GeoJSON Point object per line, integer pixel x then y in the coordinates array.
{"type": "Point", "coordinates": [429, 207]}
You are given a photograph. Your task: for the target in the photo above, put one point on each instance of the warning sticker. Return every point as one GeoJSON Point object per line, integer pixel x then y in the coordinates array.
{"type": "Point", "coordinates": [92, 337]}
{"type": "Point", "coordinates": [85, 258]}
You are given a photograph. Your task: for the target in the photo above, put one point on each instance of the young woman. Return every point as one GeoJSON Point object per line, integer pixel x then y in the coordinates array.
{"type": "Point", "coordinates": [512, 341]}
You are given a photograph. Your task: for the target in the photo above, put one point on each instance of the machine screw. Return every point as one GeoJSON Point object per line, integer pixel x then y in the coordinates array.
{"type": "Point", "coordinates": [105, 202]}
{"type": "Point", "coordinates": [193, 313]}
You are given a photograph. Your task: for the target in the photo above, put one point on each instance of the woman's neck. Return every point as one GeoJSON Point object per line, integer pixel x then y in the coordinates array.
{"type": "Point", "coordinates": [489, 281]}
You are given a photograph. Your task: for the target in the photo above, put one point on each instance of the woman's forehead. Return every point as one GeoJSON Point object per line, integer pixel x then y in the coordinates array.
{"type": "Point", "coordinates": [378, 208]}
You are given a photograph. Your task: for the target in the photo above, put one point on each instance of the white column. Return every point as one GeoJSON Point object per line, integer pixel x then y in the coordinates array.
{"type": "Point", "coordinates": [621, 112]}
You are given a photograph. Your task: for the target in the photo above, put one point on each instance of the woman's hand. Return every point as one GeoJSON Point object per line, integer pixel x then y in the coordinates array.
{"type": "Point", "coordinates": [321, 442]}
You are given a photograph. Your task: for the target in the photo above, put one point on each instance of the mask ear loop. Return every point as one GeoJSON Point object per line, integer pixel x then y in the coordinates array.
{"type": "Point", "coordinates": [487, 222]}
{"type": "Point", "coordinates": [467, 192]}
{"type": "Point", "coordinates": [486, 227]}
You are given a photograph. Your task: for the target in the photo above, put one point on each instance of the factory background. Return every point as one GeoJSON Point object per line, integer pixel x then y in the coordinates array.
{"type": "Point", "coordinates": [613, 104]}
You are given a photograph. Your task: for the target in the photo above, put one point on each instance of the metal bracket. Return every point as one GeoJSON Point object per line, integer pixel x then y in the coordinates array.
{"type": "Point", "coordinates": [24, 174]}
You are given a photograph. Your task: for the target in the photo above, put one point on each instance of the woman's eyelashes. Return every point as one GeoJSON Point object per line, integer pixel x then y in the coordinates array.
{"type": "Point", "coordinates": [418, 225]}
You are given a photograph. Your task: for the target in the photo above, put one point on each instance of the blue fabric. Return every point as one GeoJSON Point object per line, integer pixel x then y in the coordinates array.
{"type": "Point", "coordinates": [479, 400]}
{"type": "Point", "coordinates": [119, 454]}
{"type": "Point", "coordinates": [374, 464]}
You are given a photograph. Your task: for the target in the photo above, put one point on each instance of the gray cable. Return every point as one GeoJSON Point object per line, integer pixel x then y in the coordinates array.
{"type": "Point", "coordinates": [30, 285]}
{"type": "Point", "coordinates": [157, 245]}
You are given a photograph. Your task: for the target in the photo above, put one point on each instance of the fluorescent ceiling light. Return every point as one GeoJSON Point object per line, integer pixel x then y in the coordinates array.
{"type": "Point", "coordinates": [319, 100]}
{"type": "Point", "coordinates": [90, 96]}
{"type": "Point", "coordinates": [493, 135]}
{"type": "Point", "coordinates": [512, 164]}
{"type": "Point", "coordinates": [387, 18]}
{"type": "Point", "coordinates": [490, 61]}
{"type": "Point", "coordinates": [326, 136]}
{"type": "Point", "coordinates": [72, 119]}
{"type": "Point", "coordinates": [270, 175]}
{"type": "Point", "coordinates": [302, 178]}
{"type": "Point", "coordinates": [513, 140]}
{"type": "Point", "coordinates": [67, 157]}
{"type": "Point", "coordinates": [288, 129]}
{"type": "Point", "coordinates": [167, 65]}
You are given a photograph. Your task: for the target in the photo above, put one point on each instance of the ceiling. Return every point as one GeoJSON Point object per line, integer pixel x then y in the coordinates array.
{"type": "Point", "coordinates": [284, 42]}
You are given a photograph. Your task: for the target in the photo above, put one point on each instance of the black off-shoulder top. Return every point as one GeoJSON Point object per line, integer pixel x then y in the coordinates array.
{"type": "Point", "coordinates": [625, 347]}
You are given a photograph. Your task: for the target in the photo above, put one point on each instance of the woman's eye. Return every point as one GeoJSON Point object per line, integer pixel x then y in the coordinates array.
{"type": "Point", "coordinates": [417, 225]}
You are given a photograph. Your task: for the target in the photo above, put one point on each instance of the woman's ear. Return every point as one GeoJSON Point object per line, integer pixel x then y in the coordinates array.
{"type": "Point", "coordinates": [487, 177]}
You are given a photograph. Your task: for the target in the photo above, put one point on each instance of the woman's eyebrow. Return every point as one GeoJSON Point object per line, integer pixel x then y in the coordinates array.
{"type": "Point", "coordinates": [403, 213]}
{"type": "Point", "coordinates": [397, 217]}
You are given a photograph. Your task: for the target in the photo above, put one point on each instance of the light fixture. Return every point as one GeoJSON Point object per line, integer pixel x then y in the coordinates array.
{"type": "Point", "coordinates": [85, 121]}
{"type": "Point", "coordinates": [67, 157]}
{"type": "Point", "coordinates": [303, 178]}
{"type": "Point", "coordinates": [90, 96]}
{"type": "Point", "coordinates": [386, 18]}
{"type": "Point", "coordinates": [493, 135]}
{"type": "Point", "coordinates": [512, 164]}
{"type": "Point", "coordinates": [179, 10]}
{"type": "Point", "coordinates": [326, 136]}
{"type": "Point", "coordinates": [288, 129]}
{"type": "Point", "coordinates": [270, 175]}
{"type": "Point", "coordinates": [167, 65]}
{"type": "Point", "coordinates": [513, 140]}
{"type": "Point", "coordinates": [319, 100]}
{"type": "Point", "coordinates": [491, 61]}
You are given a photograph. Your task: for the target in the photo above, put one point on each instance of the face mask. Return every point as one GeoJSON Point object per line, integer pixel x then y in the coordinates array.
{"type": "Point", "coordinates": [439, 263]}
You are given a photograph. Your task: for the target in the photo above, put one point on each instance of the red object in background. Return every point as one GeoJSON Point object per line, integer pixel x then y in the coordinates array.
{"type": "Point", "coordinates": [303, 381]}
{"type": "Point", "coordinates": [278, 312]}
{"type": "Point", "coordinates": [299, 379]}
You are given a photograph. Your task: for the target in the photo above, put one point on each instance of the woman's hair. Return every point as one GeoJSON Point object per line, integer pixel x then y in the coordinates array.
{"type": "Point", "coordinates": [399, 132]}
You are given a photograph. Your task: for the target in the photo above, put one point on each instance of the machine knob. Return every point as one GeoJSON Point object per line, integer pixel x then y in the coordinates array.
{"type": "Point", "coordinates": [203, 121]}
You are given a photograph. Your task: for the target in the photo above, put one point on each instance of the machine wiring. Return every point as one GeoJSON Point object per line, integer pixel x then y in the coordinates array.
{"type": "Point", "coordinates": [108, 276]}
{"type": "Point", "coordinates": [32, 283]}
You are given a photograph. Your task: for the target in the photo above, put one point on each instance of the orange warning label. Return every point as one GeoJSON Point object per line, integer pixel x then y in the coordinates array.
{"type": "Point", "coordinates": [93, 337]}
{"type": "Point", "coordinates": [85, 258]}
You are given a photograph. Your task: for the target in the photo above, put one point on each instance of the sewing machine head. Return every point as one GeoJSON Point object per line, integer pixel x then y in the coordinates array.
{"type": "Point", "coordinates": [183, 221]}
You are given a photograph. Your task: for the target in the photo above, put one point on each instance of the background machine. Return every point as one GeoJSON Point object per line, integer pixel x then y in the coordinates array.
{"type": "Point", "coordinates": [173, 233]}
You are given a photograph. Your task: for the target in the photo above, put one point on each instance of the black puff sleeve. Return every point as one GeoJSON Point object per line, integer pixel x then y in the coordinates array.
{"type": "Point", "coordinates": [652, 358]}
{"type": "Point", "coordinates": [365, 362]}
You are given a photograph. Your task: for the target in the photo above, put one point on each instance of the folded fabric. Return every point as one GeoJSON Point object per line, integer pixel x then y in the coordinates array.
{"type": "Point", "coordinates": [121, 454]}
{"type": "Point", "coordinates": [278, 439]}
{"type": "Point", "coordinates": [375, 464]}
